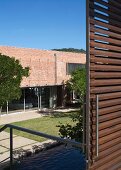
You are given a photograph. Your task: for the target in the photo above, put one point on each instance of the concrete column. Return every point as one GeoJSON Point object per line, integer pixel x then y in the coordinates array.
{"type": "Point", "coordinates": [40, 100]}
{"type": "Point", "coordinates": [24, 101]}
{"type": "Point", "coordinates": [7, 107]}
{"type": "Point", "coordinates": [55, 68]}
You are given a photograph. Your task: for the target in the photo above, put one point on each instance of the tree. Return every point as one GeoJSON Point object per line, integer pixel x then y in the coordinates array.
{"type": "Point", "coordinates": [73, 50]}
{"type": "Point", "coordinates": [77, 83]}
{"type": "Point", "coordinates": [11, 74]}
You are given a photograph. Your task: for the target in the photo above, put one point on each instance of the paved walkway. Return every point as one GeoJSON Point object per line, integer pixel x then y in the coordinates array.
{"type": "Point", "coordinates": [17, 117]}
{"type": "Point", "coordinates": [21, 145]}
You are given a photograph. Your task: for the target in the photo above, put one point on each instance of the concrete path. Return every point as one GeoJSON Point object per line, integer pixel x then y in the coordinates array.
{"type": "Point", "coordinates": [21, 146]}
{"type": "Point", "coordinates": [20, 143]}
{"type": "Point", "coordinates": [66, 110]}
{"type": "Point", "coordinates": [17, 117]}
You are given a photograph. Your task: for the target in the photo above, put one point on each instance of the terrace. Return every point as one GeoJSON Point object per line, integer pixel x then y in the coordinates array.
{"type": "Point", "coordinates": [101, 142]}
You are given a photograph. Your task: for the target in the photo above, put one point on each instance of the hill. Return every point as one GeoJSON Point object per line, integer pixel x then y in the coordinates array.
{"type": "Point", "coordinates": [74, 50]}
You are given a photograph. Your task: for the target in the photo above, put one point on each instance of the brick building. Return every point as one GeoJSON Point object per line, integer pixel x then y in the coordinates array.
{"type": "Point", "coordinates": [48, 72]}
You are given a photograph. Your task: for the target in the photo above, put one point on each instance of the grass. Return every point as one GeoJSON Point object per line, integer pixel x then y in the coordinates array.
{"type": "Point", "coordinates": [46, 124]}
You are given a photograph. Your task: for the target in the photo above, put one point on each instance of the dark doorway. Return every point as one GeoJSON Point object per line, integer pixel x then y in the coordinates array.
{"type": "Point", "coordinates": [45, 97]}
{"type": "Point", "coordinates": [59, 96]}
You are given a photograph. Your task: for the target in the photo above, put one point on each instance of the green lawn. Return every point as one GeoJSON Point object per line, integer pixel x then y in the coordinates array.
{"type": "Point", "coordinates": [46, 124]}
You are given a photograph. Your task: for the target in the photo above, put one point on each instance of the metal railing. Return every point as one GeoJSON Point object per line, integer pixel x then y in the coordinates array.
{"type": "Point", "coordinates": [62, 140]}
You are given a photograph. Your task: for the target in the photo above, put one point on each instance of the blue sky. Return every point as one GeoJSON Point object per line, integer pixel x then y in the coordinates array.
{"type": "Point", "coordinates": [44, 24]}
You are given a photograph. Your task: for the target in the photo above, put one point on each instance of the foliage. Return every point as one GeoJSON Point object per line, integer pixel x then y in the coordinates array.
{"type": "Point", "coordinates": [78, 84]}
{"type": "Point", "coordinates": [73, 130]}
{"type": "Point", "coordinates": [46, 124]}
{"type": "Point", "coordinates": [11, 74]}
{"type": "Point", "coordinates": [74, 50]}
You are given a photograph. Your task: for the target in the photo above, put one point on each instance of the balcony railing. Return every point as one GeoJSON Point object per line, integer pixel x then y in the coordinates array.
{"type": "Point", "coordinates": [55, 138]}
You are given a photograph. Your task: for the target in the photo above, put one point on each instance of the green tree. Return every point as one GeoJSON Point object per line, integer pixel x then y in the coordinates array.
{"type": "Point", "coordinates": [11, 74]}
{"type": "Point", "coordinates": [77, 83]}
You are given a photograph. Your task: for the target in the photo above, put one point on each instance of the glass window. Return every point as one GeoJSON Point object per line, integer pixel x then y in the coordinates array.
{"type": "Point", "coordinates": [71, 67]}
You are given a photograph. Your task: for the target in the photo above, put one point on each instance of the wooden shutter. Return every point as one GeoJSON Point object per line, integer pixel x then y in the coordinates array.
{"type": "Point", "coordinates": [104, 84]}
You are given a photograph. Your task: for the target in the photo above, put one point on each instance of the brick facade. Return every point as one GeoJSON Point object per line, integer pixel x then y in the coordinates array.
{"type": "Point", "coordinates": [47, 68]}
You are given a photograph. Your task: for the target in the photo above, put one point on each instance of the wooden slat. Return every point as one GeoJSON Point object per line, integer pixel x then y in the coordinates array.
{"type": "Point", "coordinates": [105, 25]}
{"type": "Point", "coordinates": [105, 80]}
{"type": "Point", "coordinates": [109, 161]}
{"type": "Point", "coordinates": [108, 138]}
{"type": "Point", "coordinates": [100, 2]}
{"type": "Point", "coordinates": [109, 109]}
{"type": "Point", "coordinates": [104, 18]}
{"type": "Point", "coordinates": [101, 90]}
{"type": "Point", "coordinates": [107, 96]}
{"type": "Point", "coordinates": [115, 3]}
{"type": "Point", "coordinates": [105, 75]}
{"type": "Point", "coordinates": [104, 10]}
{"type": "Point", "coordinates": [108, 117]}
{"type": "Point", "coordinates": [105, 46]}
{"type": "Point", "coordinates": [105, 132]}
{"type": "Point", "coordinates": [105, 32]}
{"type": "Point", "coordinates": [112, 6]}
{"type": "Point", "coordinates": [108, 158]}
{"type": "Point", "coordinates": [104, 53]}
{"type": "Point", "coordinates": [105, 39]}
{"type": "Point", "coordinates": [109, 144]}
{"type": "Point", "coordinates": [112, 165]}
{"type": "Point", "coordinates": [110, 151]}
{"type": "Point", "coordinates": [107, 103]}
{"type": "Point", "coordinates": [105, 67]}
{"type": "Point", "coordinates": [110, 96]}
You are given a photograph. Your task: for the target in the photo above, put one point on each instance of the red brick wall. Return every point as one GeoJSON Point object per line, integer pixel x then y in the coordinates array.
{"type": "Point", "coordinates": [42, 64]}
